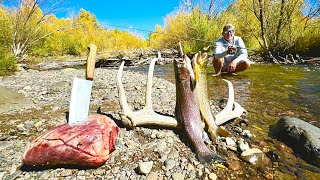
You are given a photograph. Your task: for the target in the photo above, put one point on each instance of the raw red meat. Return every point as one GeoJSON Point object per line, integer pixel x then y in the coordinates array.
{"type": "Point", "coordinates": [87, 144]}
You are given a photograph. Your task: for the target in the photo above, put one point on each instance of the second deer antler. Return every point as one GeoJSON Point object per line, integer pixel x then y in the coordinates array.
{"type": "Point", "coordinates": [145, 116]}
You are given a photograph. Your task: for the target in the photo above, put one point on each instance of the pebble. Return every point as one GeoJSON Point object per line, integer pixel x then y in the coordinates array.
{"type": "Point", "coordinates": [1, 174]}
{"type": "Point", "coordinates": [230, 142]}
{"type": "Point", "coordinates": [246, 133]}
{"type": "Point", "coordinates": [212, 176]}
{"type": "Point", "coordinates": [145, 167]}
{"type": "Point", "coordinates": [234, 165]}
{"type": "Point", "coordinates": [243, 146]}
{"type": "Point", "coordinates": [169, 164]}
{"type": "Point", "coordinates": [237, 129]}
{"type": "Point", "coordinates": [177, 176]}
{"type": "Point", "coordinates": [152, 176]}
{"type": "Point", "coordinates": [254, 156]}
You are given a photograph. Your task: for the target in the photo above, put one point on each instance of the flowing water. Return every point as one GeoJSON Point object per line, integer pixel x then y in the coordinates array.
{"type": "Point", "coordinates": [268, 92]}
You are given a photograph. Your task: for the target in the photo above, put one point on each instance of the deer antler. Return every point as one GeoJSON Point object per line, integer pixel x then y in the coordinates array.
{"type": "Point", "coordinates": [145, 116]}
{"type": "Point", "coordinates": [229, 112]}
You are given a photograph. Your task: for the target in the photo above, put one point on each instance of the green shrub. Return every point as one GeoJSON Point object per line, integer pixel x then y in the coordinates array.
{"type": "Point", "coordinates": [7, 62]}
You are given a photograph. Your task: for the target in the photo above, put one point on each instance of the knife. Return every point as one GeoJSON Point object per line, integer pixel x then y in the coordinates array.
{"type": "Point", "coordinates": [81, 90]}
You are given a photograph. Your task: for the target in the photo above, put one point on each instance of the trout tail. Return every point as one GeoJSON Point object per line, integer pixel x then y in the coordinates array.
{"type": "Point", "coordinates": [210, 158]}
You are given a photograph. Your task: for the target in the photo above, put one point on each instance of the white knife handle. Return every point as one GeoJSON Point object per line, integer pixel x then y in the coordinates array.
{"type": "Point", "coordinates": [91, 61]}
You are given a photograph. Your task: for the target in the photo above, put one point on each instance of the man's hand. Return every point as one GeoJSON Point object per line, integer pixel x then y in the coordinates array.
{"type": "Point", "coordinates": [232, 66]}
{"type": "Point", "coordinates": [231, 50]}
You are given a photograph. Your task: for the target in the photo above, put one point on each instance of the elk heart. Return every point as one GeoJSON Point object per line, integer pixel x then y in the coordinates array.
{"type": "Point", "coordinates": [87, 144]}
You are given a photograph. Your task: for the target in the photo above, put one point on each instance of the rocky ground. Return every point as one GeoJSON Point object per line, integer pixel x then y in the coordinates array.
{"type": "Point", "coordinates": [33, 101]}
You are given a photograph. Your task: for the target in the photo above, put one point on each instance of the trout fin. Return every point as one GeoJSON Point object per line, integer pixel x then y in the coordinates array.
{"type": "Point", "coordinates": [210, 158]}
{"type": "Point", "coordinates": [218, 131]}
{"type": "Point", "coordinates": [223, 132]}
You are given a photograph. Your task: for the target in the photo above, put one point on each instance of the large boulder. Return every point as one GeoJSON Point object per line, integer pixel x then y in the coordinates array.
{"type": "Point", "coordinates": [86, 144]}
{"type": "Point", "coordinates": [301, 136]}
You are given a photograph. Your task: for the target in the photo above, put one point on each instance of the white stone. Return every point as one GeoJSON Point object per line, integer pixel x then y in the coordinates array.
{"type": "Point", "coordinates": [145, 167]}
{"type": "Point", "coordinates": [230, 142]}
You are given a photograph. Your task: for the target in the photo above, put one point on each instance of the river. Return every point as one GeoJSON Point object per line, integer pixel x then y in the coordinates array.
{"type": "Point", "coordinates": [267, 92]}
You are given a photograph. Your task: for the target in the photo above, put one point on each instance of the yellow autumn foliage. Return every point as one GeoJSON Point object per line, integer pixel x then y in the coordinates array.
{"type": "Point", "coordinates": [71, 37]}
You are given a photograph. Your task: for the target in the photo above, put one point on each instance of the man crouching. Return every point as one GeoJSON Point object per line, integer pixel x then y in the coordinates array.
{"type": "Point", "coordinates": [230, 53]}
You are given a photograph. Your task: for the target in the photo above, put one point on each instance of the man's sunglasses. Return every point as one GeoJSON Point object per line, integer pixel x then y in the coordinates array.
{"type": "Point", "coordinates": [227, 32]}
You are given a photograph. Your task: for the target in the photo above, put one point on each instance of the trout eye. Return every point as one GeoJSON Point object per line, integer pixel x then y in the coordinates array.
{"type": "Point", "coordinates": [180, 62]}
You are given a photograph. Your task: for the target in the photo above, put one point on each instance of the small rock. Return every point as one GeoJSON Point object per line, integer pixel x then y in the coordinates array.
{"type": "Point", "coordinates": [167, 173]}
{"type": "Point", "coordinates": [234, 165]}
{"type": "Point", "coordinates": [1, 174]}
{"type": "Point", "coordinates": [169, 164]}
{"type": "Point", "coordinates": [177, 176]}
{"type": "Point", "coordinates": [230, 142]}
{"type": "Point", "coordinates": [145, 167]}
{"type": "Point", "coordinates": [21, 127]}
{"type": "Point", "coordinates": [190, 167]}
{"type": "Point", "coordinates": [67, 172]}
{"type": "Point", "coordinates": [246, 133]}
{"type": "Point", "coordinates": [243, 146]}
{"type": "Point", "coordinates": [254, 156]}
{"type": "Point", "coordinates": [170, 140]}
{"type": "Point", "coordinates": [152, 176]}
{"type": "Point", "coordinates": [27, 88]}
{"type": "Point", "coordinates": [212, 176]}
{"type": "Point", "coordinates": [173, 154]}
{"type": "Point", "coordinates": [237, 129]}
{"type": "Point", "coordinates": [163, 157]}
{"type": "Point", "coordinates": [268, 176]}
{"type": "Point", "coordinates": [29, 124]}
{"type": "Point", "coordinates": [200, 166]}
{"type": "Point", "coordinates": [200, 173]}
{"type": "Point", "coordinates": [192, 174]}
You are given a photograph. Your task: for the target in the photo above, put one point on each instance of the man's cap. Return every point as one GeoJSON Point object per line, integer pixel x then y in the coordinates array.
{"type": "Point", "coordinates": [228, 27]}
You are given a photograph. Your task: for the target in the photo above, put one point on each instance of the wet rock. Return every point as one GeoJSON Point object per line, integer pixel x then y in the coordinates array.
{"type": "Point", "coordinates": [268, 176]}
{"type": "Point", "coordinates": [254, 156]}
{"type": "Point", "coordinates": [234, 165]}
{"type": "Point", "coordinates": [243, 146]}
{"type": "Point", "coordinates": [301, 136]}
{"type": "Point", "coordinates": [230, 142]}
{"type": "Point", "coordinates": [273, 156]}
{"type": "Point", "coordinates": [246, 133]}
{"type": "Point", "coordinates": [237, 129]}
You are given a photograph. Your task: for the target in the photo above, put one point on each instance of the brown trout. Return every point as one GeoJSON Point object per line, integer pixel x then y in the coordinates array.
{"type": "Point", "coordinates": [199, 64]}
{"type": "Point", "coordinates": [187, 110]}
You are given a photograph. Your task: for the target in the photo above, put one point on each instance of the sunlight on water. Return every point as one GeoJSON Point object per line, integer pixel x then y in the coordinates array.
{"type": "Point", "coordinates": [267, 91]}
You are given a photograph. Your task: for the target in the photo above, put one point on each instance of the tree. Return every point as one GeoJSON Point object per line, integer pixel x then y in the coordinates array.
{"type": "Point", "coordinates": [28, 21]}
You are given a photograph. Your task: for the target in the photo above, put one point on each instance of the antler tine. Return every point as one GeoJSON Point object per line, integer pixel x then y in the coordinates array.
{"type": "Point", "coordinates": [122, 95]}
{"type": "Point", "coordinates": [181, 51]}
{"type": "Point", "coordinates": [149, 82]}
{"type": "Point", "coordinates": [227, 113]}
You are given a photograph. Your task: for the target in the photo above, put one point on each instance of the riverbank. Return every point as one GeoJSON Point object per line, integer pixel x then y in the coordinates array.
{"type": "Point", "coordinates": [45, 101]}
